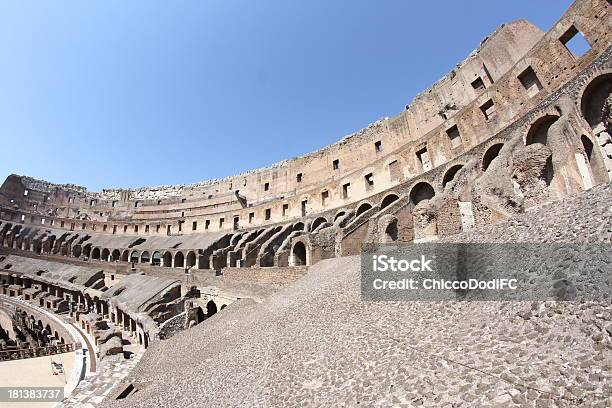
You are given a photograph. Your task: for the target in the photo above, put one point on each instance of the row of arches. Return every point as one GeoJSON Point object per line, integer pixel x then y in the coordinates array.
{"type": "Point", "coordinates": [156, 258]}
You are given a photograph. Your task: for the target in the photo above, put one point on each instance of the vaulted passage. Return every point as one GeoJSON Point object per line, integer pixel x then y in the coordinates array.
{"type": "Point", "coordinates": [362, 208]}
{"type": "Point", "coordinates": [538, 133]}
{"type": "Point", "coordinates": [135, 257]}
{"type": "Point", "coordinates": [156, 259]}
{"type": "Point", "coordinates": [316, 223]}
{"type": "Point", "coordinates": [421, 191]}
{"type": "Point", "coordinates": [491, 153]}
{"type": "Point", "coordinates": [191, 259]}
{"type": "Point", "coordinates": [179, 260]}
{"type": "Point", "coordinates": [450, 174]}
{"type": "Point", "coordinates": [167, 259]}
{"type": "Point", "coordinates": [388, 200]}
{"type": "Point", "coordinates": [594, 102]}
{"type": "Point", "coordinates": [299, 254]}
{"type": "Point", "coordinates": [211, 308]}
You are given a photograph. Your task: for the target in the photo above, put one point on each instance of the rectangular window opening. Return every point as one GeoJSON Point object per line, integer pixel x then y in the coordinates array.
{"type": "Point", "coordinates": [378, 146]}
{"type": "Point", "coordinates": [478, 84]}
{"type": "Point", "coordinates": [324, 198]}
{"type": "Point", "coordinates": [488, 109]}
{"type": "Point", "coordinates": [575, 42]}
{"type": "Point", "coordinates": [336, 164]}
{"type": "Point", "coordinates": [346, 190]}
{"type": "Point", "coordinates": [530, 81]}
{"type": "Point", "coordinates": [454, 136]}
{"type": "Point", "coordinates": [423, 157]}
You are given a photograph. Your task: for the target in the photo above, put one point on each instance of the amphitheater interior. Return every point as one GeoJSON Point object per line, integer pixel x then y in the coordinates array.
{"type": "Point", "coordinates": [244, 291]}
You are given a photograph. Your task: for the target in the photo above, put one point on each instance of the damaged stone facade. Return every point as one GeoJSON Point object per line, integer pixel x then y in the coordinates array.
{"type": "Point", "coordinates": [521, 122]}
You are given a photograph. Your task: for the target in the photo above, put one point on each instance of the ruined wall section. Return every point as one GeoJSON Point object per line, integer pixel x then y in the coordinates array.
{"type": "Point", "coordinates": [512, 72]}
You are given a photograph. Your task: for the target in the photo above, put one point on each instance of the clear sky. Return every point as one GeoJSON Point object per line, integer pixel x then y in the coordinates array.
{"type": "Point", "coordinates": [141, 93]}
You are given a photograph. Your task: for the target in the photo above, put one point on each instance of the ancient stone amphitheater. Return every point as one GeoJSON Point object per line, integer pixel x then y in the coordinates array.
{"type": "Point", "coordinates": [245, 291]}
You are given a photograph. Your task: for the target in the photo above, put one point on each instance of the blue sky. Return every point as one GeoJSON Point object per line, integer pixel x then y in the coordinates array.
{"type": "Point", "coordinates": [139, 93]}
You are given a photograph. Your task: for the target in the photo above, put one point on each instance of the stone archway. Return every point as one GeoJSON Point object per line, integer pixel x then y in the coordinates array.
{"type": "Point", "coordinates": [420, 192]}
{"type": "Point", "coordinates": [299, 255]}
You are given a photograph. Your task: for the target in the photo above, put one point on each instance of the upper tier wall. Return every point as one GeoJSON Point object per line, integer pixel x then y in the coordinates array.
{"type": "Point", "coordinates": [479, 98]}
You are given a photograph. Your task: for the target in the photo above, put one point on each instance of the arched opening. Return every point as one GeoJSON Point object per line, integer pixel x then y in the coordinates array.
{"type": "Point", "coordinates": [538, 132]}
{"type": "Point", "coordinates": [588, 147]}
{"type": "Point", "coordinates": [87, 250]}
{"type": "Point", "coordinates": [362, 209]}
{"type": "Point", "coordinates": [595, 102]}
{"type": "Point", "coordinates": [199, 315]}
{"type": "Point", "coordinates": [298, 226]}
{"type": "Point", "coordinates": [391, 231]}
{"type": "Point", "coordinates": [490, 155]}
{"type": "Point", "coordinates": [116, 255]}
{"type": "Point", "coordinates": [450, 174]}
{"type": "Point", "coordinates": [105, 254]}
{"type": "Point", "coordinates": [317, 222]}
{"type": "Point", "coordinates": [390, 198]}
{"type": "Point", "coordinates": [125, 256]}
{"type": "Point", "coordinates": [211, 308]}
{"type": "Point", "coordinates": [95, 253]}
{"type": "Point", "coordinates": [76, 251]}
{"type": "Point", "coordinates": [145, 258]}
{"type": "Point", "coordinates": [135, 256]}
{"type": "Point", "coordinates": [420, 192]}
{"type": "Point", "coordinates": [191, 259]}
{"type": "Point", "coordinates": [340, 214]}
{"type": "Point", "coordinates": [179, 260]}
{"type": "Point", "coordinates": [156, 260]}
{"type": "Point", "coordinates": [299, 254]}
{"type": "Point", "coordinates": [167, 260]}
